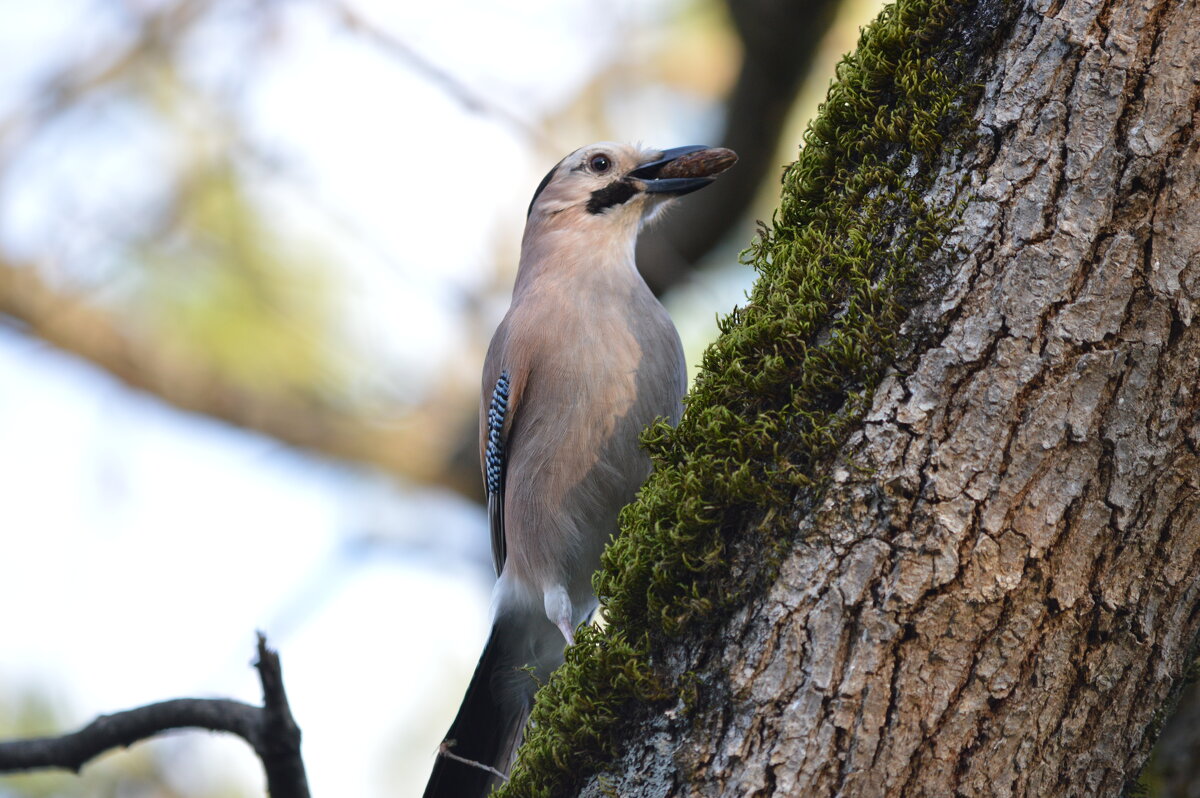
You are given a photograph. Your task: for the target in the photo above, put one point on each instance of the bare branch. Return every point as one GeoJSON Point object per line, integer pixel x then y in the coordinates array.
{"type": "Point", "coordinates": [123, 729]}
{"type": "Point", "coordinates": [270, 730]}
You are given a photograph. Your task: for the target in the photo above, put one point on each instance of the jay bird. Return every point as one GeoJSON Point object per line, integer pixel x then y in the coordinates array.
{"type": "Point", "coordinates": [585, 358]}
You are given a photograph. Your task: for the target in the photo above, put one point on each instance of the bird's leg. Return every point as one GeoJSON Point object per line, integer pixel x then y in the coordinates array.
{"type": "Point", "coordinates": [558, 610]}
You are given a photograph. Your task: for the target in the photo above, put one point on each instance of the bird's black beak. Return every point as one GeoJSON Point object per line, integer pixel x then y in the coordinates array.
{"type": "Point", "coordinates": [682, 170]}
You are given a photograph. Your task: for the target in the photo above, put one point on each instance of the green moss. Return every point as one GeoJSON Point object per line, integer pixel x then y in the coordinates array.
{"type": "Point", "coordinates": [790, 376]}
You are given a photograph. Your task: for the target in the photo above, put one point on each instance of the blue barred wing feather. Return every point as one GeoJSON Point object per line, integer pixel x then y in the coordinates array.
{"type": "Point", "coordinates": [494, 466]}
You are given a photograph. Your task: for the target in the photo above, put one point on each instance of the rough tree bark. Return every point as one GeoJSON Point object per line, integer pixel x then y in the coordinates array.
{"type": "Point", "coordinates": [999, 593]}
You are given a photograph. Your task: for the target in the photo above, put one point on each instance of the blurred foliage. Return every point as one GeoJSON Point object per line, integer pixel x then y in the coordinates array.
{"type": "Point", "coordinates": [203, 268]}
{"type": "Point", "coordinates": [221, 282]}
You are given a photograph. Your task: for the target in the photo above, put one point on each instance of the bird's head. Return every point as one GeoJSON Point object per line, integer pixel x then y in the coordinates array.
{"type": "Point", "coordinates": [620, 186]}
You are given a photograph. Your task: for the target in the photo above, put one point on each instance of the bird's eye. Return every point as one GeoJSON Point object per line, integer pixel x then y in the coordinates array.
{"type": "Point", "coordinates": [599, 163]}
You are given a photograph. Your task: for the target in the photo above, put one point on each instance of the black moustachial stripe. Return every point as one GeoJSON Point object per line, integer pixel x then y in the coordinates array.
{"type": "Point", "coordinates": [494, 455]}
{"type": "Point", "coordinates": [614, 193]}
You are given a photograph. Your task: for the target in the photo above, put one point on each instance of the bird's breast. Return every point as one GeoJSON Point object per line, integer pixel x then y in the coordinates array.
{"type": "Point", "coordinates": [598, 373]}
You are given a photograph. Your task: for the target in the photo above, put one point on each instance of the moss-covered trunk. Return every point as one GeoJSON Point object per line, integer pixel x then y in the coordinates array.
{"type": "Point", "coordinates": [931, 523]}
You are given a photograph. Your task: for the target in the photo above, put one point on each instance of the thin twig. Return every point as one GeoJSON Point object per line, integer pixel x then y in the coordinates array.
{"type": "Point", "coordinates": [278, 741]}
{"type": "Point", "coordinates": [444, 750]}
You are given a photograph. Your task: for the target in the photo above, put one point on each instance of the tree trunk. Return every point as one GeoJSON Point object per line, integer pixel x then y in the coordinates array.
{"type": "Point", "coordinates": [998, 592]}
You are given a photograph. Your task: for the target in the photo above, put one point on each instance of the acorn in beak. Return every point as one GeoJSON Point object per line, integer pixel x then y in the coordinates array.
{"type": "Point", "coordinates": [682, 170]}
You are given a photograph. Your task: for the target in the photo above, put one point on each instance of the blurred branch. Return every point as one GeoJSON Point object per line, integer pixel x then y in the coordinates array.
{"type": "Point", "coordinates": [157, 33]}
{"type": "Point", "coordinates": [270, 730]}
{"type": "Point", "coordinates": [420, 447]}
{"type": "Point", "coordinates": [473, 101]}
{"type": "Point", "coordinates": [779, 40]}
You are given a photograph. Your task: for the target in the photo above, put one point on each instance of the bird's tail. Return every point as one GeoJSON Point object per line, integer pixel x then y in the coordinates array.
{"type": "Point", "coordinates": [491, 720]}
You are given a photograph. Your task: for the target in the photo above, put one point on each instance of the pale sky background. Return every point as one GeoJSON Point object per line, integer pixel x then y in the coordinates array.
{"type": "Point", "coordinates": [141, 546]}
